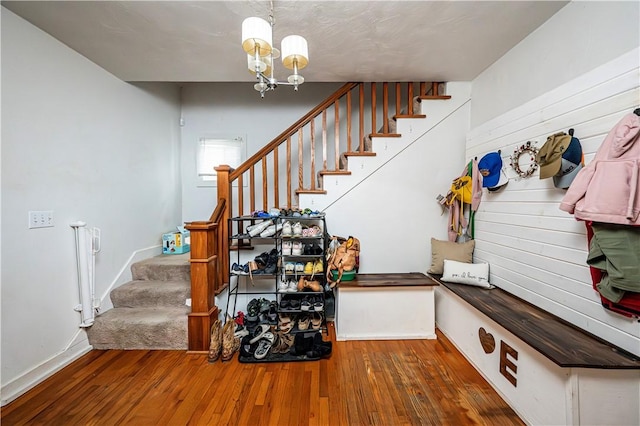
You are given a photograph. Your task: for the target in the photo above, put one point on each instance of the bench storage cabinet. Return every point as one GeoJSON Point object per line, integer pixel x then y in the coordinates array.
{"type": "Point", "coordinates": [386, 307]}
{"type": "Point", "coordinates": [550, 372]}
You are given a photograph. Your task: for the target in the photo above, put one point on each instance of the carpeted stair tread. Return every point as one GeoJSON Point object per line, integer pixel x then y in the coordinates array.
{"type": "Point", "coordinates": [150, 293]}
{"type": "Point", "coordinates": [167, 267]}
{"type": "Point", "coordinates": [140, 328]}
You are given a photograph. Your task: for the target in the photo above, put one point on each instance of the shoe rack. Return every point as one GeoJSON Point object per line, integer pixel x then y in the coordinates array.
{"type": "Point", "coordinates": [284, 286]}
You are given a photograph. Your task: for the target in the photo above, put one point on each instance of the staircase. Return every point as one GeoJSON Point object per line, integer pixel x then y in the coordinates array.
{"type": "Point", "coordinates": [335, 145]}
{"type": "Point", "coordinates": [148, 312]}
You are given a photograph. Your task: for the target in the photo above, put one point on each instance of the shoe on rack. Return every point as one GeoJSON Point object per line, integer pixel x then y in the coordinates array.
{"type": "Point", "coordinates": [287, 230]}
{"type": "Point", "coordinates": [253, 310]}
{"type": "Point", "coordinates": [301, 283]}
{"type": "Point", "coordinates": [293, 286]}
{"type": "Point", "coordinates": [318, 304]}
{"type": "Point", "coordinates": [283, 286]}
{"type": "Point", "coordinates": [297, 248]}
{"type": "Point", "coordinates": [255, 231]}
{"type": "Point", "coordinates": [274, 212]}
{"type": "Point", "coordinates": [286, 248]}
{"type": "Point", "coordinates": [289, 267]}
{"type": "Point", "coordinates": [320, 348]}
{"type": "Point", "coordinates": [309, 285]}
{"type": "Point", "coordinates": [283, 343]}
{"type": "Point", "coordinates": [303, 322]}
{"type": "Point", "coordinates": [301, 345]}
{"type": "Point", "coordinates": [308, 268]}
{"type": "Point", "coordinates": [258, 332]}
{"type": "Point", "coordinates": [285, 323]}
{"type": "Point", "coordinates": [316, 320]}
{"type": "Point", "coordinates": [272, 315]}
{"type": "Point", "coordinates": [264, 345]}
{"type": "Point", "coordinates": [299, 267]}
{"type": "Point", "coordinates": [317, 266]}
{"type": "Point", "coordinates": [271, 230]}
{"type": "Point", "coordinates": [305, 305]}
{"type": "Point", "coordinates": [297, 229]}
{"type": "Point", "coordinates": [237, 269]}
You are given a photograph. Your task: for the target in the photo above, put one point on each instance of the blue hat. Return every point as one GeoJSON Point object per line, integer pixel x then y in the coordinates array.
{"type": "Point", "coordinates": [489, 167]}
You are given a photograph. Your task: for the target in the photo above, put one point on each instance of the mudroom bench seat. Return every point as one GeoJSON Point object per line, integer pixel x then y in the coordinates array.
{"type": "Point", "coordinates": [548, 370]}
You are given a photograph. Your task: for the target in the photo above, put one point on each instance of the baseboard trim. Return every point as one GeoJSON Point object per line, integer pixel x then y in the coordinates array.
{"type": "Point", "coordinates": [30, 379]}
{"type": "Point", "coordinates": [79, 344]}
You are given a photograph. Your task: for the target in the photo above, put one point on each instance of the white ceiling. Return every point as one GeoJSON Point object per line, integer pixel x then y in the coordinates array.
{"type": "Point", "coordinates": [186, 41]}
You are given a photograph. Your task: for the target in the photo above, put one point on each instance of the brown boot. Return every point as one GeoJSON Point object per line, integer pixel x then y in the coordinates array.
{"type": "Point", "coordinates": [230, 343]}
{"type": "Point", "coordinates": [215, 345]}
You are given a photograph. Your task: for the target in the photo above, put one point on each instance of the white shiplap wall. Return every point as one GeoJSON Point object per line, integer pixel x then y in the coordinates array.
{"type": "Point", "coordinates": [535, 250]}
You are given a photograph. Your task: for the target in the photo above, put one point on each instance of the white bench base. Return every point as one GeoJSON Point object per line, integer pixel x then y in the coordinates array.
{"type": "Point", "coordinates": [545, 394]}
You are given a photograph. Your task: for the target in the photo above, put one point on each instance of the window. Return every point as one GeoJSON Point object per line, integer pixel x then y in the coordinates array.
{"type": "Point", "coordinates": [213, 152]}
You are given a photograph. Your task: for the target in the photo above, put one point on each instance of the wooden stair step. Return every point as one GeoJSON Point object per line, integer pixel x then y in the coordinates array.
{"type": "Point", "coordinates": [395, 117]}
{"type": "Point", "coordinates": [384, 135]}
{"type": "Point", "coordinates": [310, 191]}
{"type": "Point", "coordinates": [359, 154]}
{"type": "Point", "coordinates": [334, 172]}
{"type": "Point", "coordinates": [435, 97]}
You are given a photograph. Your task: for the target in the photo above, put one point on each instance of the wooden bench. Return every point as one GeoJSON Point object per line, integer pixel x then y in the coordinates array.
{"type": "Point", "coordinates": [548, 370]}
{"type": "Point", "coordinates": [370, 306]}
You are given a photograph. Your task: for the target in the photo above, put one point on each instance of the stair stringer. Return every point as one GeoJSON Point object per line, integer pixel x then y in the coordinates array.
{"type": "Point", "coordinates": [412, 130]}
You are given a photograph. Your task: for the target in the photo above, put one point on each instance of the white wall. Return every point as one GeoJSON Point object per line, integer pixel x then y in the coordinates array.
{"type": "Point", "coordinates": [232, 110]}
{"type": "Point", "coordinates": [80, 142]}
{"type": "Point", "coordinates": [535, 250]}
{"type": "Point", "coordinates": [581, 36]}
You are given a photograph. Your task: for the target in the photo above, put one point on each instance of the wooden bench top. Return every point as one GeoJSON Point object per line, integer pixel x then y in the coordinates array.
{"type": "Point", "coordinates": [405, 279]}
{"type": "Point", "coordinates": [561, 342]}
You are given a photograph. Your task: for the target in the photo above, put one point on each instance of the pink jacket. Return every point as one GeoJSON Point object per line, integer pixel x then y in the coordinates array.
{"type": "Point", "coordinates": [608, 189]}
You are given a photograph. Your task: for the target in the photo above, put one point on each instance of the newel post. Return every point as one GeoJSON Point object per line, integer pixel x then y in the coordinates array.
{"type": "Point", "coordinates": [209, 265]}
{"type": "Point", "coordinates": [203, 284]}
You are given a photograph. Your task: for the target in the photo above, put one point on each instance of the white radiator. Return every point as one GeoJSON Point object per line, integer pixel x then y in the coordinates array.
{"type": "Point", "coordinates": [87, 246]}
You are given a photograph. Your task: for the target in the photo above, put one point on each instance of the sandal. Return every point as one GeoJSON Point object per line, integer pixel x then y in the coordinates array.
{"type": "Point", "coordinates": [259, 332]}
{"type": "Point", "coordinates": [264, 345]}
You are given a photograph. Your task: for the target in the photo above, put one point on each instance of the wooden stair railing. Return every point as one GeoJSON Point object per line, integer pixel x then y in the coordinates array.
{"type": "Point", "coordinates": [286, 167]}
{"type": "Point", "coordinates": [208, 252]}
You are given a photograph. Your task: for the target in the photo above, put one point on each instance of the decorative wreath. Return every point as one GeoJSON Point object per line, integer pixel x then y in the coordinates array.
{"type": "Point", "coordinates": [515, 159]}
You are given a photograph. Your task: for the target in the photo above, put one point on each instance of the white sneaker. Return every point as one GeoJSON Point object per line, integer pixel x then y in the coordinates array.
{"type": "Point", "coordinates": [297, 229]}
{"type": "Point", "coordinates": [283, 286]}
{"type": "Point", "coordinates": [287, 231]}
{"type": "Point", "coordinates": [296, 248]}
{"type": "Point", "coordinates": [293, 286]}
{"type": "Point", "coordinates": [270, 231]}
{"type": "Point", "coordinates": [258, 228]}
{"type": "Point", "coordinates": [286, 246]}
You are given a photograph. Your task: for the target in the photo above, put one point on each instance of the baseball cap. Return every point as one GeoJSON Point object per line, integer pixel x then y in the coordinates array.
{"type": "Point", "coordinates": [570, 164]}
{"type": "Point", "coordinates": [549, 157]}
{"type": "Point", "coordinates": [501, 182]}
{"type": "Point", "coordinates": [490, 166]}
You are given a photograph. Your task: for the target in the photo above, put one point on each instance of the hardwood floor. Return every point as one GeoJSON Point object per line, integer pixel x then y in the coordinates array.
{"type": "Point", "coordinates": [409, 382]}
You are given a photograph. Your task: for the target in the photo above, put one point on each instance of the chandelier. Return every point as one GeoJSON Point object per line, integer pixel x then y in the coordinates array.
{"type": "Point", "coordinates": [258, 44]}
